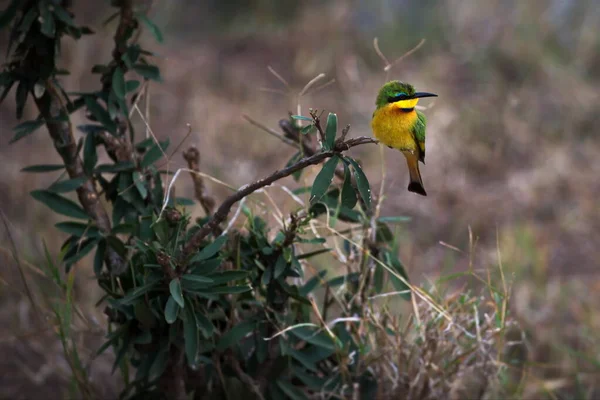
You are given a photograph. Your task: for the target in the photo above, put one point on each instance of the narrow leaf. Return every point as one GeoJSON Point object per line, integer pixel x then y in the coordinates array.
{"type": "Point", "coordinates": [292, 392]}
{"type": "Point", "coordinates": [151, 27]}
{"type": "Point", "coordinates": [154, 154]}
{"type": "Point", "coordinates": [330, 131]}
{"type": "Point", "coordinates": [148, 71]}
{"type": "Point", "coordinates": [302, 118]}
{"type": "Point", "coordinates": [175, 289]}
{"type": "Point", "coordinates": [362, 182]}
{"type": "Point", "coordinates": [323, 180]}
{"type": "Point", "coordinates": [43, 168]}
{"type": "Point", "coordinates": [190, 334]}
{"type": "Point", "coordinates": [171, 310]}
{"type": "Point", "coordinates": [68, 185]}
{"type": "Point", "coordinates": [26, 128]}
{"type": "Point", "coordinates": [348, 193]}
{"type": "Point", "coordinates": [78, 229]}
{"type": "Point", "coordinates": [393, 261]}
{"type": "Point", "coordinates": [100, 114]}
{"type": "Point", "coordinates": [280, 266]}
{"type": "Point", "coordinates": [59, 204]}
{"type": "Point", "coordinates": [90, 156]}
{"type": "Point", "coordinates": [210, 250]}
{"type": "Point", "coordinates": [235, 335]}
{"type": "Point", "coordinates": [118, 83]}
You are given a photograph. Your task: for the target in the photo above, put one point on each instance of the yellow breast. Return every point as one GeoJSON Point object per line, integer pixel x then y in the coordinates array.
{"type": "Point", "coordinates": [393, 127]}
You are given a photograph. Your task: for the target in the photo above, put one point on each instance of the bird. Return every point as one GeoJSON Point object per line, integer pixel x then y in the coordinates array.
{"type": "Point", "coordinates": [397, 124]}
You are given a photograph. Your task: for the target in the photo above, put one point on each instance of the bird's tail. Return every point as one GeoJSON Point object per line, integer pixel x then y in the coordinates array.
{"type": "Point", "coordinates": [416, 183]}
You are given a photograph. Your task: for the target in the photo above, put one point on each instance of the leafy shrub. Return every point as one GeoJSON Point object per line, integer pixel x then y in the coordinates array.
{"type": "Point", "coordinates": [194, 306]}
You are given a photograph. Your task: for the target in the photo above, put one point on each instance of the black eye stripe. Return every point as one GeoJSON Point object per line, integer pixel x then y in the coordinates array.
{"type": "Point", "coordinates": [394, 99]}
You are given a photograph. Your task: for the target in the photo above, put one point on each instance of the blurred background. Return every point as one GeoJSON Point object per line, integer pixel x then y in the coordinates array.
{"type": "Point", "coordinates": [512, 146]}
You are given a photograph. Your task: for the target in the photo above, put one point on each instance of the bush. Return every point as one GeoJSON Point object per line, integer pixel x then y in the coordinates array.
{"type": "Point", "coordinates": [196, 307]}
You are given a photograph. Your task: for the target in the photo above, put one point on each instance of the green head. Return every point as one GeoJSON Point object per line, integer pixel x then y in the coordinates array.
{"type": "Point", "coordinates": [395, 91]}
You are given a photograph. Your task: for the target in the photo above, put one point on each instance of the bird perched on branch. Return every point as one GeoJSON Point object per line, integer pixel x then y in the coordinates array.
{"type": "Point", "coordinates": [399, 126]}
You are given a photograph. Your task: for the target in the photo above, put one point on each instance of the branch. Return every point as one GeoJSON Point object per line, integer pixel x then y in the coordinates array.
{"type": "Point", "coordinates": [192, 157]}
{"type": "Point", "coordinates": [50, 107]}
{"type": "Point", "coordinates": [224, 209]}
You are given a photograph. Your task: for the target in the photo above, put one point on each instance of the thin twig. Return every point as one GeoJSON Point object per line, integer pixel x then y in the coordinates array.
{"type": "Point", "coordinates": [270, 131]}
{"type": "Point", "coordinates": [192, 157]}
{"type": "Point", "coordinates": [407, 54]}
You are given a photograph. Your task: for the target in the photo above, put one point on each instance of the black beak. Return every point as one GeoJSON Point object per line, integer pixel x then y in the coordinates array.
{"type": "Point", "coordinates": [418, 95]}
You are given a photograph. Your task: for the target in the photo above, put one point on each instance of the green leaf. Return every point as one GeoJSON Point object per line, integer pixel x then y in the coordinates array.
{"type": "Point", "coordinates": [392, 220]}
{"type": "Point", "coordinates": [183, 201]}
{"type": "Point", "coordinates": [68, 185]}
{"type": "Point", "coordinates": [43, 168]}
{"type": "Point", "coordinates": [227, 289]}
{"type": "Point", "coordinates": [78, 229]}
{"type": "Point", "coordinates": [62, 15]}
{"type": "Point", "coordinates": [138, 292]}
{"type": "Point", "coordinates": [362, 182]}
{"type": "Point", "coordinates": [140, 184]}
{"type": "Point", "coordinates": [80, 251]}
{"type": "Point", "coordinates": [280, 266]}
{"type": "Point", "coordinates": [26, 128]}
{"type": "Point", "coordinates": [154, 154]}
{"type": "Point", "coordinates": [308, 129]}
{"type": "Point", "coordinates": [235, 335]}
{"type": "Point", "coordinates": [100, 114]}
{"type": "Point", "coordinates": [151, 27]}
{"type": "Point", "coordinates": [314, 336]}
{"type": "Point", "coordinates": [131, 86]}
{"type": "Point", "coordinates": [117, 167]}
{"type": "Point", "coordinates": [118, 83]}
{"type": "Point", "coordinates": [148, 71]}
{"type": "Point", "coordinates": [175, 289]}
{"type": "Point", "coordinates": [90, 156]}
{"type": "Point", "coordinates": [302, 118]}
{"type": "Point", "coordinates": [9, 13]}
{"type": "Point", "coordinates": [394, 262]}
{"type": "Point", "coordinates": [348, 194]}
{"type": "Point", "coordinates": [59, 204]}
{"type": "Point", "coordinates": [48, 27]}
{"type": "Point", "coordinates": [190, 334]}
{"type": "Point", "coordinates": [205, 325]}
{"type": "Point", "coordinates": [330, 131]}
{"type": "Point", "coordinates": [210, 250]}
{"type": "Point", "coordinates": [221, 277]}
{"type": "Point", "coordinates": [171, 310]}
{"type": "Point", "coordinates": [313, 253]}
{"type": "Point", "coordinates": [323, 180]}
{"type": "Point", "coordinates": [291, 391]}
{"type": "Point", "coordinates": [205, 267]}
{"type": "Point", "coordinates": [196, 279]}
{"type": "Point", "coordinates": [312, 283]}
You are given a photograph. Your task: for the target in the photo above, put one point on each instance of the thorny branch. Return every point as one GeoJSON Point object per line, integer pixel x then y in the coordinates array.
{"type": "Point", "coordinates": [223, 211]}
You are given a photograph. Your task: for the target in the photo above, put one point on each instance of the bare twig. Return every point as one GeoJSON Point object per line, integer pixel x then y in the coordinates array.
{"type": "Point", "coordinates": [224, 209]}
{"type": "Point", "coordinates": [192, 157]}
{"type": "Point", "coordinates": [270, 131]}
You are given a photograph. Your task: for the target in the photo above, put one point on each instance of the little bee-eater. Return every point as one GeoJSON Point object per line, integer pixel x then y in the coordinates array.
{"type": "Point", "coordinates": [398, 125]}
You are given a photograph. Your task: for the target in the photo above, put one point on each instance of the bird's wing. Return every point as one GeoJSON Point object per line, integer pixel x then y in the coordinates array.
{"type": "Point", "coordinates": [419, 133]}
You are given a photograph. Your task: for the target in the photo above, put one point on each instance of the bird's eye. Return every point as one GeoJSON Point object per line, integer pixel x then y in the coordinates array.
{"type": "Point", "coordinates": [397, 97]}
